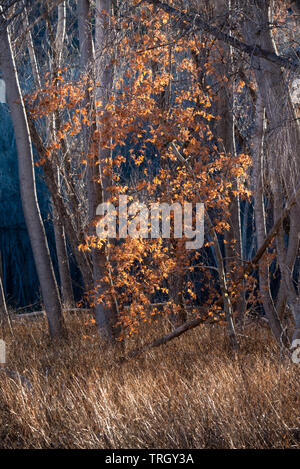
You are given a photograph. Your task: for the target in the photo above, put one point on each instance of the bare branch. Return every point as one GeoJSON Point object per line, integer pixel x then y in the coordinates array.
{"type": "Point", "coordinates": [195, 22]}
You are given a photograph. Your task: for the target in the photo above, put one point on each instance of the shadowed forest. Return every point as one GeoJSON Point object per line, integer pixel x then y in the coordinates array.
{"type": "Point", "coordinates": [149, 224]}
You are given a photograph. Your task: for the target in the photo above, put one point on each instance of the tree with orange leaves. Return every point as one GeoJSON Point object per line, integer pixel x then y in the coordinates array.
{"type": "Point", "coordinates": [173, 105]}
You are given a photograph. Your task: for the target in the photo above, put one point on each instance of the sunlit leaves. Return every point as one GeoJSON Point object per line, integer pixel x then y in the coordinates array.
{"type": "Point", "coordinates": [159, 99]}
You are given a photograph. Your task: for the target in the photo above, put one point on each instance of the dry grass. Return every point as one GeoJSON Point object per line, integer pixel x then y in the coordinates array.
{"type": "Point", "coordinates": [192, 393]}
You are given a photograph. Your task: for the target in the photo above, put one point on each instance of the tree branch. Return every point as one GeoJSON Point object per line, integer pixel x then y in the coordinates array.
{"type": "Point", "coordinates": [172, 335]}
{"type": "Point", "coordinates": [272, 233]}
{"type": "Point", "coordinates": [187, 20]}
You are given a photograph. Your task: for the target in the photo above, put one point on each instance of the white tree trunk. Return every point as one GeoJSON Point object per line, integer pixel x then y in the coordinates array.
{"type": "Point", "coordinates": [283, 144]}
{"type": "Point", "coordinates": [59, 232]}
{"type": "Point", "coordinates": [28, 190]}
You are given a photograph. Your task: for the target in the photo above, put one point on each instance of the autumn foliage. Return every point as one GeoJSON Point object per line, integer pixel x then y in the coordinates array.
{"type": "Point", "coordinates": [160, 122]}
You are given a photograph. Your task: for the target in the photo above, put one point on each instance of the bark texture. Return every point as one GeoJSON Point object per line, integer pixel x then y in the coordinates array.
{"type": "Point", "coordinates": [31, 210]}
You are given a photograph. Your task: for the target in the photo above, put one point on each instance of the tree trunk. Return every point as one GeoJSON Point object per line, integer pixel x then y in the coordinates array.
{"type": "Point", "coordinates": [74, 236]}
{"type": "Point", "coordinates": [4, 314]}
{"type": "Point", "coordinates": [106, 314]}
{"type": "Point", "coordinates": [225, 130]}
{"type": "Point", "coordinates": [31, 210]}
{"type": "Point", "coordinates": [260, 222]}
{"type": "Point", "coordinates": [59, 232]}
{"type": "Point", "coordinates": [283, 143]}
{"type": "Point", "coordinates": [63, 261]}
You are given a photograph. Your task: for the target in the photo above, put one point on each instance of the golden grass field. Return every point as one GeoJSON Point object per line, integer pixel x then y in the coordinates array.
{"type": "Point", "coordinates": [191, 393]}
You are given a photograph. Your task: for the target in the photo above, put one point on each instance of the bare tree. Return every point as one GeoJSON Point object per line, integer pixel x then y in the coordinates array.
{"type": "Point", "coordinates": [27, 186]}
{"type": "Point", "coordinates": [283, 145]}
{"type": "Point", "coordinates": [59, 230]}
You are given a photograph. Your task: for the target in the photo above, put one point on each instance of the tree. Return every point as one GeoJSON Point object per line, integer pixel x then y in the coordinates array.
{"type": "Point", "coordinates": [27, 186]}
{"type": "Point", "coordinates": [174, 101]}
{"type": "Point", "coordinates": [59, 231]}
{"type": "Point", "coordinates": [63, 219]}
{"type": "Point", "coordinates": [284, 140]}
{"type": "Point", "coordinates": [106, 314]}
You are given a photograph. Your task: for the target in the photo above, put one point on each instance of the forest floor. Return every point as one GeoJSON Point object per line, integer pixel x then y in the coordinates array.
{"type": "Point", "coordinates": [193, 392]}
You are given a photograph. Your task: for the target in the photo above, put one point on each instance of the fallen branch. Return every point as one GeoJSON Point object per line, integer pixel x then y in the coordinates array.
{"type": "Point", "coordinates": [252, 264]}
{"type": "Point", "coordinates": [33, 315]}
{"type": "Point", "coordinates": [38, 314]}
{"type": "Point", "coordinates": [172, 335]}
